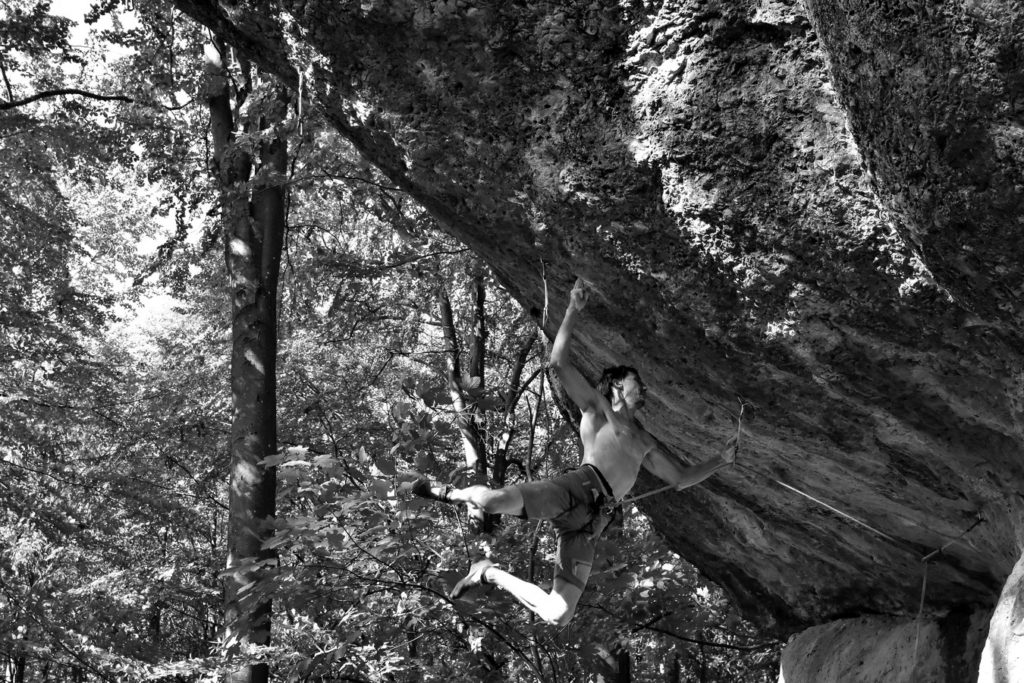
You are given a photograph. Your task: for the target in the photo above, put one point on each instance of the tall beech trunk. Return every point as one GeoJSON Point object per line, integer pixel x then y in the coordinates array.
{"type": "Point", "coordinates": [253, 216]}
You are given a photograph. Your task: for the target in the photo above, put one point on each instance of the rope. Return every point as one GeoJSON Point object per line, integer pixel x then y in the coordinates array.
{"type": "Point", "coordinates": [739, 426]}
{"type": "Point", "coordinates": [924, 560]}
{"type": "Point", "coordinates": [827, 506]}
{"type": "Point", "coordinates": [963, 533]}
{"type": "Point", "coordinates": [544, 279]}
{"type": "Point", "coordinates": [924, 579]}
{"type": "Point", "coordinates": [920, 609]}
{"type": "Point", "coordinates": [845, 515]}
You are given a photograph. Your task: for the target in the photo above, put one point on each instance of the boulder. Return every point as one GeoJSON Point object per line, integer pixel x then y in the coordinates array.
{"type": "Point", "coordinates": [873, 649]}
{"type": "Point", "coordinates": [810, 210]}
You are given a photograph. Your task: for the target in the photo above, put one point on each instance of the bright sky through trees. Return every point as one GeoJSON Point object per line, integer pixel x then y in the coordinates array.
{"type": "Point", "coordinates": [115, 384]}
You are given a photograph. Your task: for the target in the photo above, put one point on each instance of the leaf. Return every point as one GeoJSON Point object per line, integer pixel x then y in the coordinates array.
{"type": "Point", "coordinates": [490, 403]}
{"type": "Point", "coordinates": [274, 460]}
{"type": "Point", "coordinates": [386, 466]}
{"type": "Point", "coordinates": [401, 410]}
{"type": "Point", "coordinates": [277, 540]}
{"type": "Point", "coordinates": [380, 487]}
{"type": "Point", "coordinates": [438, 395]}
{"type": "Point", "coordinates": [325, 461]}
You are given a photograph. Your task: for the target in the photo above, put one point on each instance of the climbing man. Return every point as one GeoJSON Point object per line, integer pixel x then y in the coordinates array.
{"type": "Point", "coordinates": [615, 446]}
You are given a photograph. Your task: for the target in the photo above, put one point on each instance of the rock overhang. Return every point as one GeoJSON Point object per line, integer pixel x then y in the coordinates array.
{"type": "Point", "coordinates": [765, 213]}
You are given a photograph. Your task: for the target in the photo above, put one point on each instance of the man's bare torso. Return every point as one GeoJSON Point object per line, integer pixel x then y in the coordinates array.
{"type": "Point", "coordinates": [614, 446]}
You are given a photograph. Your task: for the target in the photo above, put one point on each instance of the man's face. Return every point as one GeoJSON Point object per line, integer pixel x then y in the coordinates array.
{"type": "Point", "coordinates": [632, 391]}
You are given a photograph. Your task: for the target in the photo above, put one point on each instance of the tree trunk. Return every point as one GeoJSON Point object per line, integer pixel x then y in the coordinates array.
{"type": "Point", "coordinates": [674, 671]}
{"type": "Point", "coordinates": [623, 664]}
{"type": "Point", "coordinates": [253, 237]}
{"type": "Point", "coordinates": [472, 441]}
{"type": "Point", "coordinates": [512, 395]}
{"type": "Point", "coordinates": [155, 618]}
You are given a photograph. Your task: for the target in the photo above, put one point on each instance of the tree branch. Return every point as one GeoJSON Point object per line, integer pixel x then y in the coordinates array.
{"type": "Point", "coordinates": [649, 626]}
{"type": "Point", "coordinates": [47, 94]}
{"type": "Point", "coordinates": [709, 643]}
{"type": "Point", "coordinates": [333, 176]}
{"type": "Point", "coordinates": [62, 92]}
{"type": "Point", "coordinates": [7, 82]}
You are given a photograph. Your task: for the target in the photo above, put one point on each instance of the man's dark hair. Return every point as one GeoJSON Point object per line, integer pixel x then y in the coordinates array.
{"type": "Point", "coordinates": [614, 375]}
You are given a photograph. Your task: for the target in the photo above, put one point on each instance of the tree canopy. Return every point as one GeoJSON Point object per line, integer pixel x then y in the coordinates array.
{"type": "Point", "coordinates": [395, 345]}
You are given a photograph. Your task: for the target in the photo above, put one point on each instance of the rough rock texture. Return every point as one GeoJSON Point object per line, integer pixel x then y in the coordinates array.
{"type": "Point", "coordinates": [1003, 658]}
{"type": "Point", "coordinates": [816, 209]}
{"type": "Point", "coordinates": [873, 649]}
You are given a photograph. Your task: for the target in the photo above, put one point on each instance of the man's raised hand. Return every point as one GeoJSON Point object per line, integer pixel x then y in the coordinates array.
{"type": "Point", "coordinates": [730, 450]}
{"type": "Point", "coordinates": [580, 294]}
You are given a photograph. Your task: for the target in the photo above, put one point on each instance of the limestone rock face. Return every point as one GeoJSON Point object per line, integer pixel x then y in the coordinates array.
{"type": "Point", "coordinates": [873, 649]}
{"type": "Point", "coordinates": [814, 209]}
{"type": "Point", "coordinates": [1003, 658]}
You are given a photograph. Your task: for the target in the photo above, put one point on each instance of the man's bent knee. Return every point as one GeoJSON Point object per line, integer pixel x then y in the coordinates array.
{"type": "Point", "coordinates": [561, 603]}
{"type": "Point", "coordinates": [564, 618]}
{"type": "Point", "coordinates": [504, 501]}
{"type": "Point", "coordinates": [557, 612]}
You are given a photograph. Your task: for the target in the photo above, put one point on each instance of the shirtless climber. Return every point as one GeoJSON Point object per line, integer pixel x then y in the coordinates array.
{"type": "Point", "coordinates": [615, 446]}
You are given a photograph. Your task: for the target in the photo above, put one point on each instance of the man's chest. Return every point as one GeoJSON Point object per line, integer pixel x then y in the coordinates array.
{"type": "Point", "coordinates": [601, 436]}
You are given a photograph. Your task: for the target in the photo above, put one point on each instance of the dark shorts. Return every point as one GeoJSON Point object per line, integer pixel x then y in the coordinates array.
{"type": "Point", "coordinates": [571, 501]}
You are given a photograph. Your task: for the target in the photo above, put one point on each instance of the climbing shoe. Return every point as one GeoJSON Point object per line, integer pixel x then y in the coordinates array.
{"type": "Point", "coordinates": [422, 488]}
{"type": "Point", "coordinates": [475, 577]}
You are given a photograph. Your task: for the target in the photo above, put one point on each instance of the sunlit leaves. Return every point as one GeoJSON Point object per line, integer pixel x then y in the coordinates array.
{"type": "Point", "coordinates": [27, 27]}
{"type": "Point", "coordinates": [117, 451]}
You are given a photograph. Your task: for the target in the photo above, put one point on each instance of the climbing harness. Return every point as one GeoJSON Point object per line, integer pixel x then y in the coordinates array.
{"type": "Point", "coordinates": [607, 518]}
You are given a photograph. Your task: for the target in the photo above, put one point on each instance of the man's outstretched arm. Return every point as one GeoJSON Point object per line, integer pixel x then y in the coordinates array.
{"type": "Point", "coordinates": [672, 470]}
{"type": "Point", "coordinates": [579, 389]}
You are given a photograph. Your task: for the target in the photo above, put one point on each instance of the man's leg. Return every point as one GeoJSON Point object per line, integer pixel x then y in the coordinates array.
{"type": "Point", "coordinates": [575, 558]}
{"type": "Point", "coordinates": [547, 500]}
{"type": "Point", "coordinates": [555, 608]}
{"type": "Point", "coordinates": [506, 501]}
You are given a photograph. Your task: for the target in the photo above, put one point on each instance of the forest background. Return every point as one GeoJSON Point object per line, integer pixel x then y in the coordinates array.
{"type": "Point", "coordinates": [135, 151]}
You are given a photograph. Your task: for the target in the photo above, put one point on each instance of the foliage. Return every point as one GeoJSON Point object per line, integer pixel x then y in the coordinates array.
{"type": "Point", "coordinates": [114, 383]}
